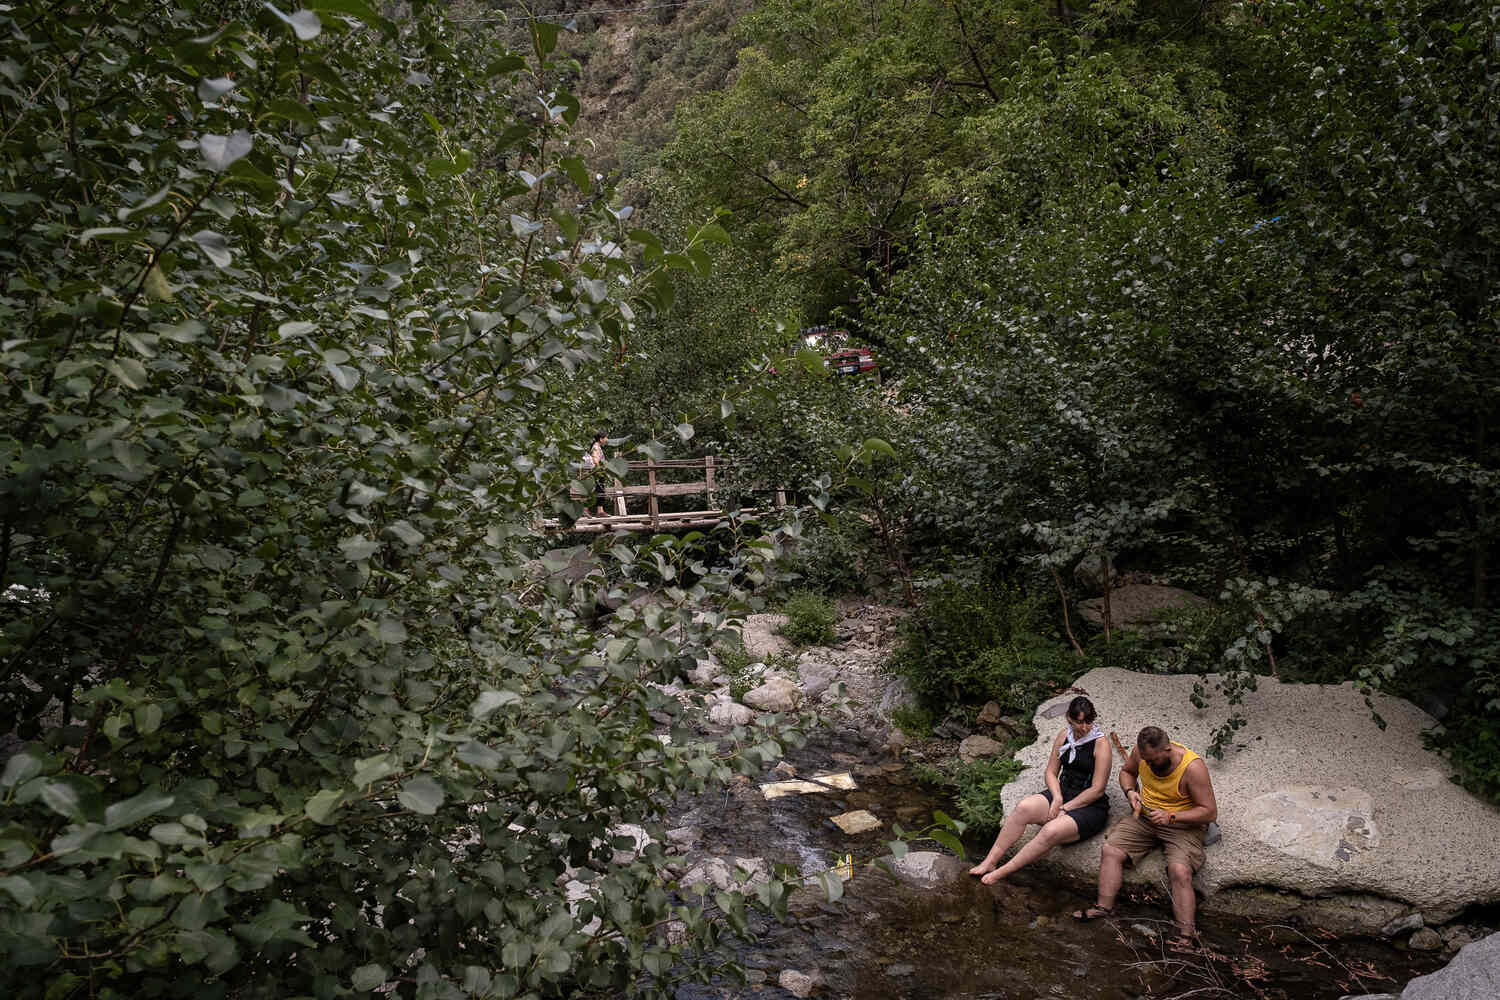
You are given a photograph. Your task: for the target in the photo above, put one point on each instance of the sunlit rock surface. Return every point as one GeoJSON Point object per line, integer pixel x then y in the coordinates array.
{"type": "Point", "coordinates": [1314, 797]}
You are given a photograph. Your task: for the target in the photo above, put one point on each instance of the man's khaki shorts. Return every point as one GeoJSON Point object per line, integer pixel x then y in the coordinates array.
{"type": "Point", "coordinates": [1136, 837]}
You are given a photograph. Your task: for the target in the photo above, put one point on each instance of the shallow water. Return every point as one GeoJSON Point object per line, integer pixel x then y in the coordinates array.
{"type": "Point", "coordinates": [887, 940]}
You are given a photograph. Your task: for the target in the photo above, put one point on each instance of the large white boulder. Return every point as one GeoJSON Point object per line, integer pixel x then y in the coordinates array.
{"type": "Point", "coordinates": [1474, 974]}
{"type": "Point", "coordinates": [1314, 797]}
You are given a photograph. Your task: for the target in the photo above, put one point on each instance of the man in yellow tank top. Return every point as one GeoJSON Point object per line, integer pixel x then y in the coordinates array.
{"type": "Point", "coordinates": [1172, 803]}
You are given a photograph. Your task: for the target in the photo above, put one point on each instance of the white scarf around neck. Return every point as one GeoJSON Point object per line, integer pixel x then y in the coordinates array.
{"type": "Point", "coordinates": [1071, 744]}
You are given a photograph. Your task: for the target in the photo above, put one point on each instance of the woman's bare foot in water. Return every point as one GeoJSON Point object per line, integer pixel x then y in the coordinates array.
{"type": "Point", "coordinates": [983, 868]}
{"type": "Point", "coordinates": [992, 877]}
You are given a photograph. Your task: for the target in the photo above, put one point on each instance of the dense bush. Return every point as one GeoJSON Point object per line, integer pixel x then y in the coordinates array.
{"type": "Point", "coordinates": [296, 311]}
{"type": "Point", "coordinates": [809, 618]}
{"type": "Point", "coordinates": [972, 642]}
{"type": "Point", "coordinates": [837, 557]}
{"type": "Point", "coordinates": [976, 788]}
{"type": "Point", "coordinates": [1023, 672]}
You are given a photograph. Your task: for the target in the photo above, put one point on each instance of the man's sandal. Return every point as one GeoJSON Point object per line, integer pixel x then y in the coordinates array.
{"type": "Point", "coordinates": [1093, 913]}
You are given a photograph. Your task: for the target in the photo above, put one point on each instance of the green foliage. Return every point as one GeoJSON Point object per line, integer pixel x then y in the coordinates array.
{"type": "Point", "coordinates": [976, 788]}
{"type": "Point", "coordinates": [1470, 742]}
{"type": "Point", "coordinates": [809, 619]}
{"type": "Point", "coordinates": [833, 556]}
{"type": "Point", "coordinates": [1023, 672]}
{"type": "Point", "coordinates": [744, 670]}
{"type": "Point", "coordinates": [297, 307]}
{"type": "Point", "coordinates": [915, 720]}
{"type": "Point", "coordinates": [979, 786]}
{"type": "Point", "coordinates": [968, 642]}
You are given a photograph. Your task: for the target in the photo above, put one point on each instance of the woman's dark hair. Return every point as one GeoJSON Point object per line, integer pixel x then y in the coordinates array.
{"type": "Point", "coordinates": [601, 436]}
{"type": "Point", "coordinates": [1081, 709]}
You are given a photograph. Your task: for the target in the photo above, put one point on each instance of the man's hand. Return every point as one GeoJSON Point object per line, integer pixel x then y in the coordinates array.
{"type": "Point", "coordinates": [1133, 800]}
{"type": "Point", "coordinates": [1160, 817]}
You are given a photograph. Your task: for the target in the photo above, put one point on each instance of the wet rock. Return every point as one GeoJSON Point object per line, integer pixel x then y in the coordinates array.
{"type": "Point", "coordinates": [979, 747]}
{"type": "Point", "coordinates": [1401, 925]}
{"type": "Point", "coordinates": [757, 869]}
{"type": "Point", "coordinates": [1457, 941]}
{"type": "Point", "coordinates": [636, 838]}
{"type": "Point", "coordinates": [895, 742]}
{"type": "Point", "coordinates": [1474, 974]}
{"type": "Point", "coordinates": [713, 871]}
{"type": "Point", "coordinates": [730, 713]}
{"type": "Point", "coordinates": [927, 869]}
{"type": "Point", "coordinates": [813, 784]}
{"type": "Point", "coordinates": [684, 836]}
{"type": "Point", "coordinates": [798, 984]}
{"type": "Point", "coordinates": [990, 714]}
{"type": "Point", "coordinates": [1425, 939]}
{"type": "Point", "coordinates": [858, 821]}
{"type": "Point", "coordinates": [777, 694]}
{"type": "Point", "coordinates": [723, 876]}
{"type": "Point", "coordinates": [900, 970]}
{"type": "Point", "coordinates": [1146, 930]}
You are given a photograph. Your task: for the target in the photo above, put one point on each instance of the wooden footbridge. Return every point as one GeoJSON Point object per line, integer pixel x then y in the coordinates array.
{"type": "Point", "coordinates": [637, 506]}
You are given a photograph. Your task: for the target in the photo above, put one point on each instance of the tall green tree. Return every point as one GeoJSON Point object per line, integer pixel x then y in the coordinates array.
{"type": "Point", "coordinates": [296, 306]}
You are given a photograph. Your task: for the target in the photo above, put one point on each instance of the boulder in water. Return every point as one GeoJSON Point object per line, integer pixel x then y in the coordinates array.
{"type": "Point", "coordinates": [798, 984]}
{"type": "Point", "coordinates": [1474, 974]}
{"type": "Point", "coordinates": [927, 869]}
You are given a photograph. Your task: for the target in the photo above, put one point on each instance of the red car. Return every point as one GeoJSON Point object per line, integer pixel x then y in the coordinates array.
{"type": "Point", "coordinates": [840, 354]}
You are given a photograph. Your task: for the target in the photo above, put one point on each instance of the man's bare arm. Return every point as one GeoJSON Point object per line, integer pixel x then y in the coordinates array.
{"type": "Point", "coordinates": [1129, 777]}
{"type": "Point", "coordinates": [1201, 790]}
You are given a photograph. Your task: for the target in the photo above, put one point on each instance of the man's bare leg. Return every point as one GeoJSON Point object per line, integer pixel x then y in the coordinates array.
{"type": "Point", "coordinates": [1111, 874]}
{"type": "Point", "coordinates": [1184, 903]}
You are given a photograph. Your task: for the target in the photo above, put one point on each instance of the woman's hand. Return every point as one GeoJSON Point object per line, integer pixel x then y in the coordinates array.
{"type": "Point", "coordinates": [1055, 809]}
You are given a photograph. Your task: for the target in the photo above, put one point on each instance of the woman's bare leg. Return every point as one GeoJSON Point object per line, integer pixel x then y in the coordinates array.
{"type": "Point", "coordinates": [1031, 809]}
{"type": "Point", "coordinates": [1062, 830]}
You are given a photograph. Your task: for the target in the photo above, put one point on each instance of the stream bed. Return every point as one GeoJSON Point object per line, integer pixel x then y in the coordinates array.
{"type": "Point", "coordinates": [886, 939]}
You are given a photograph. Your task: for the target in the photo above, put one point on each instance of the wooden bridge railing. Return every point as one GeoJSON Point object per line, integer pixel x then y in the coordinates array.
{"type": "Point", "coordinates": [622, 495]}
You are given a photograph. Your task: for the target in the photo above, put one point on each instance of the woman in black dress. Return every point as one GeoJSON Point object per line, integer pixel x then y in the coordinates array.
{"type": "Point", "coordinates": [1072, 807]}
